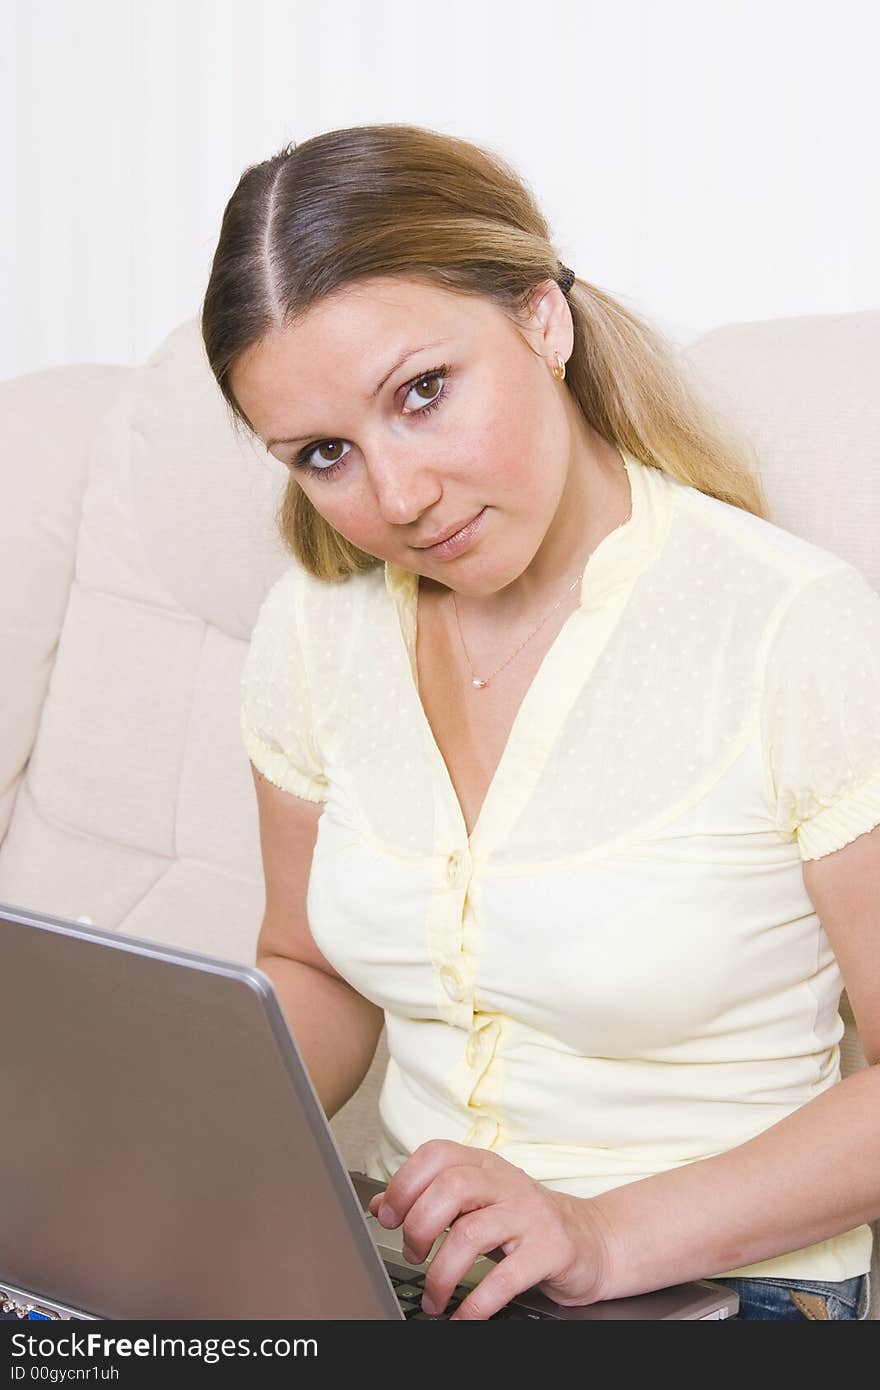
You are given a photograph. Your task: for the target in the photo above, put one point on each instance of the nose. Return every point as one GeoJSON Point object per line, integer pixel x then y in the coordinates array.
{"type": "Point", "coordinates": [404, 483]}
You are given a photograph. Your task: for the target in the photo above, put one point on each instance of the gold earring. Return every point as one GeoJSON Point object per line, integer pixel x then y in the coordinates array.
{"type": "Point", "coordinates": [559, 369]}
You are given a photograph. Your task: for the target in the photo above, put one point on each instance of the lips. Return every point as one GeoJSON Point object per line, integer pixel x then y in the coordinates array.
{"type": "Point", "coordinates": [445, 535]}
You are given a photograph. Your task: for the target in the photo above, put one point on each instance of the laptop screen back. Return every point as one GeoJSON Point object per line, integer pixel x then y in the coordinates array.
{"type": "Point", "coordinates": [162, 1140]}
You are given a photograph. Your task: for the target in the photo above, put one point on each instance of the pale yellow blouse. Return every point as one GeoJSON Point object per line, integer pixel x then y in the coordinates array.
{"type": "Point", "coordinates": [620, 970]}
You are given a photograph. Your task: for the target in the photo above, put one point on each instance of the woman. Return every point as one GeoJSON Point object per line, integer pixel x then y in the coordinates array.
{"type": "Point", "coordinates": [569, 742]}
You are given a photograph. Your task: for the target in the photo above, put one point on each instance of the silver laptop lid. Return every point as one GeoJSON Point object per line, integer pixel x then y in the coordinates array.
{"type": "Point", "coordinates": [163, 1146]}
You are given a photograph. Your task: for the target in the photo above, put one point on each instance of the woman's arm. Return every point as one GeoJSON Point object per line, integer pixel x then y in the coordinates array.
{"type": "Point", "coordinates": [812, 1175]}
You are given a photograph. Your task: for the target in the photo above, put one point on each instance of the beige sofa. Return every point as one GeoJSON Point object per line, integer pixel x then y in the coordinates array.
{"type": "Point", "coordinates": [137, 540]}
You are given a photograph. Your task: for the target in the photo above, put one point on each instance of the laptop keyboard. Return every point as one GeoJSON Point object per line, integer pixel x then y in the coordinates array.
{"type": "Point", "coordinates": [410, 1287]}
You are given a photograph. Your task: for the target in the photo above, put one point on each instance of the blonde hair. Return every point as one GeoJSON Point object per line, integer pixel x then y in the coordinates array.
{"type": "Point", "coordinates": [394, 199]}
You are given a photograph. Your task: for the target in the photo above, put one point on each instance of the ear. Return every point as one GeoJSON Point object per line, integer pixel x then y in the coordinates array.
{"type": "Point", "coordinates": [548, 326]}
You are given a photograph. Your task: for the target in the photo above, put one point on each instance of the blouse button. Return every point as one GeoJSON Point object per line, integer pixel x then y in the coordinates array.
{"type": "Point", "coordinates": [452, 983]}
{"type": "Point", "coordinates": [482, 1132]}
{"type": "Point", "coordinates": [455, 865]}
{"type": "Point", "coordinates": [480, 1044]}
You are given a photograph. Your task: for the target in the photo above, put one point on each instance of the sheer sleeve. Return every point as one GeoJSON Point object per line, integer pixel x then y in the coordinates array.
{"type": "Point", "coordinates": [276, 710]}
{"type": "Point", "coordinates": [821, 714]}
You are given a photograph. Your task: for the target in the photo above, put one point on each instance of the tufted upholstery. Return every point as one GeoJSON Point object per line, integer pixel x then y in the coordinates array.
{"type": "Point", "coordinates": [138, 540]}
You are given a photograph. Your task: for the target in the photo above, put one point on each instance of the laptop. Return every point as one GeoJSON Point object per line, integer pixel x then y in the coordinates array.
{"type": "Point", "coordinates": [168, 1158]}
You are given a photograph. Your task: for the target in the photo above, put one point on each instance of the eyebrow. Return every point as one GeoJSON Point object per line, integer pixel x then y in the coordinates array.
{"type": "Point", "coordinates": [399, 361]}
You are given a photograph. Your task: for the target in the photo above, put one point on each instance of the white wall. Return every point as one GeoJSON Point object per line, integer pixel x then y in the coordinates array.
{"type": "Point", "coordinates": [706, 162]}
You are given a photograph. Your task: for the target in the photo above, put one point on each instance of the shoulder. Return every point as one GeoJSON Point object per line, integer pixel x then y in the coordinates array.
{"type": "Point", "coordinates": [280, 602]}
{"type": "Point", "coordinates": [339, 626]}
{"type": "Point", "coordinates": [332, 605]}
{"type": "Point", "coordinates": [298, 594]}
{"type": "Point", "coordinates": [763, 542]}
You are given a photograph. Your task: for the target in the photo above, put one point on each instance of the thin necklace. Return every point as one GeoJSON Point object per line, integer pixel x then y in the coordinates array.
{"type": "Point", "coordinates": [480, 682]}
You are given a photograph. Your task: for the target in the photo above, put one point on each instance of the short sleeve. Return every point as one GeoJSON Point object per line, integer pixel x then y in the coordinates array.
{"type": "Point", "coordinates": [821, 714]}
{"type": "Point", "coordinates": [276, 710]}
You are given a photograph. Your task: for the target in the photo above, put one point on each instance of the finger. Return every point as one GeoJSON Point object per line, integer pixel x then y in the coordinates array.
{"type": "Point", "coordinates": [454, 1192]}
{"type": "Point", "coordinates": [516, 1273]}
{"type": "Point", "coordinates": [376, 1202]}
{"type": "Point", "coordinates": [497, 1227]}
{"type": "Point", "coordinates": [420, 1170]}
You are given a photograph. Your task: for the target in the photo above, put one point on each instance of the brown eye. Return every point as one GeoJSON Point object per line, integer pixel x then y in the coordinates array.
{"type": "Point", "coordinates": [330, 444]}
{"type": "Point", "coordinates": [428, 381]}
{"type": "Point", "coordinates": [435, 376]}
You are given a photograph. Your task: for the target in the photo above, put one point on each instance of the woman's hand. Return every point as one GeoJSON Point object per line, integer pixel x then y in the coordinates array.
{"type": "Point", "coordinates": [540, 1237]}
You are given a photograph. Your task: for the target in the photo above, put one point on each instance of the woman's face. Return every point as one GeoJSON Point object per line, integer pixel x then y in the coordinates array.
{"type": "Point", "coordinates": [472, 421]}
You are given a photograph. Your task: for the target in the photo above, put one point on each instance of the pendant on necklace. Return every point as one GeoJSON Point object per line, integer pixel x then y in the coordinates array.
{"type": "Point", "coordinates": [478, 683]}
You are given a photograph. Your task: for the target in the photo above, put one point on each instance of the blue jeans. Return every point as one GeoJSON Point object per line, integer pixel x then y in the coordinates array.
{"type": "Point", "coordinates": [799, 1299]}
